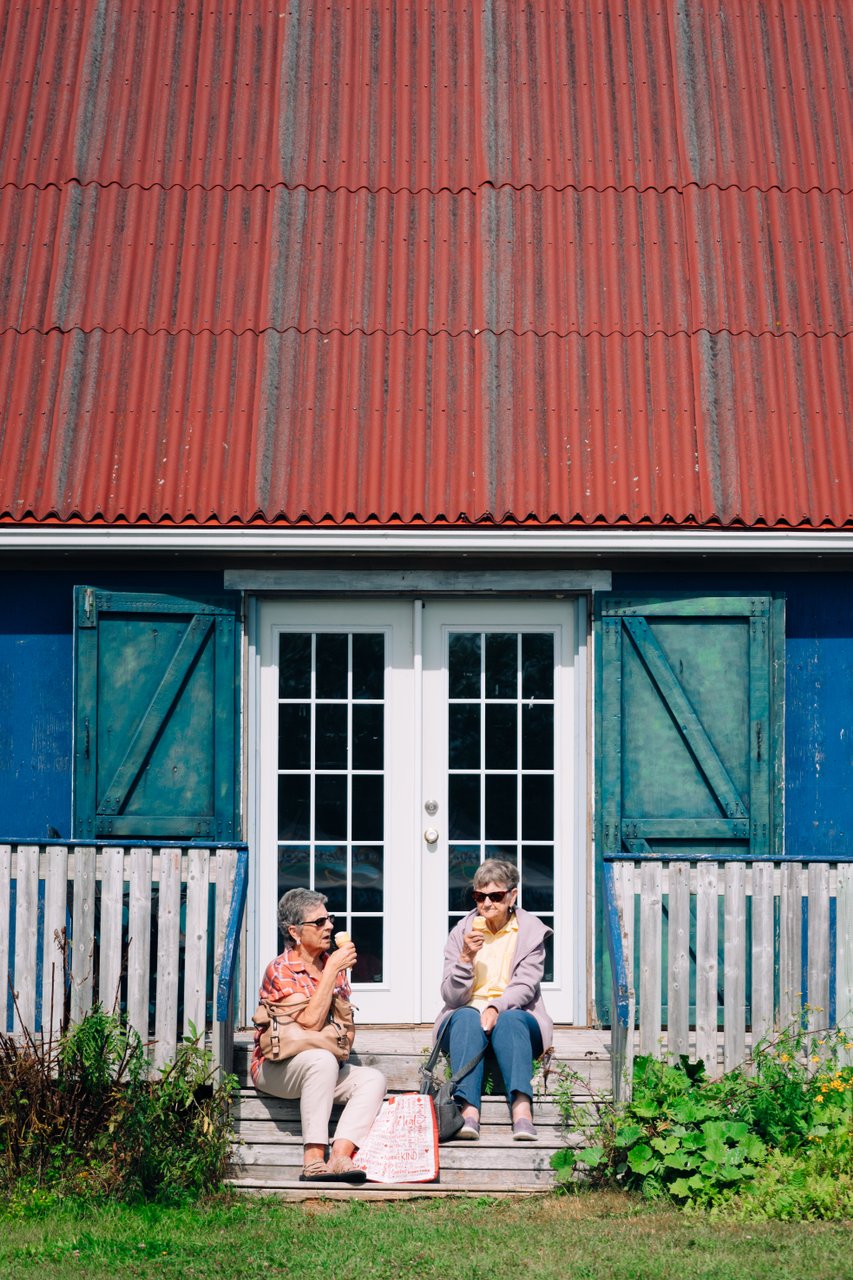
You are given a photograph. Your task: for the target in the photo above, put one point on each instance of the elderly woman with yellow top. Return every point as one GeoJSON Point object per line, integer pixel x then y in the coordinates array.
{"type": "Point", "coordinates": [493, 966]}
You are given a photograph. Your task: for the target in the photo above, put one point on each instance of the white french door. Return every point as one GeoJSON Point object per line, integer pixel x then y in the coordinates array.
{"type": "Point", "coordinates": [401, 744]}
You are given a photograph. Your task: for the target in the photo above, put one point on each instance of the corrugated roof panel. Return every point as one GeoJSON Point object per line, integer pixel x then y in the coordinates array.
{"type": "Point", "coordinates": [135, 258]}
{"type": "Point", "coordinates": [576, 261]}
{"type": "Point", "coordinates": [764, 93]}
{"type": "Point", "coordinates": [715, 428]}
{"type": "Point", "coordinates": [428, 95]}
{"type": "Point", "coordinates": [520, 261]}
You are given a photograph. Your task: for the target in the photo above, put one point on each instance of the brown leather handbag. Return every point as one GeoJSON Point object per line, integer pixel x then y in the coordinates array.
{"type": "Point", "coordinates": [282, 1036]}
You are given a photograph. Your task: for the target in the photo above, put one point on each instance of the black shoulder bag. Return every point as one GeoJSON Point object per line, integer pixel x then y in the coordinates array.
{"type": "Point", "coordinates": [447, 1115]}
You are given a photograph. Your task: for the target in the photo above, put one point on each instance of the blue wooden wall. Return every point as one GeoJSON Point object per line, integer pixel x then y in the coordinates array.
{"type": "Point", "coordinates": [36, 692]}
{"type": "Point", "coordinates": [818, 697]}
{"type": "Point", "coordinates": [36, 616]}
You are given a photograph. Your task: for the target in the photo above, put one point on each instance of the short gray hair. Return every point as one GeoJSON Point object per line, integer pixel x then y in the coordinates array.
{"type": "Point", "coordinates": [293, 905]}
{"type": "Point", "coordinates": [496, 871]}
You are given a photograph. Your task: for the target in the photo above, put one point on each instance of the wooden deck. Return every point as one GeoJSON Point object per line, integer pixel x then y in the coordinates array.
{"type": "Point", "coordinates": [268, 1143]}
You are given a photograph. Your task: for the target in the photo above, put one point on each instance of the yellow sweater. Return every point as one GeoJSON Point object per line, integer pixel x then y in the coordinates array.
{"type": "Point", "coordinates": [493, 965]}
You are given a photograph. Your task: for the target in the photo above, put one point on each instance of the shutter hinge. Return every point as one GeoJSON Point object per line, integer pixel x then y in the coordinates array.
{"type": "Point", "coordinates": [87, 613]}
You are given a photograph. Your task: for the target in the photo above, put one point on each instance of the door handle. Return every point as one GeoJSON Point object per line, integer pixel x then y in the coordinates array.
{"type": "Point", "coordinates": [431, 835]}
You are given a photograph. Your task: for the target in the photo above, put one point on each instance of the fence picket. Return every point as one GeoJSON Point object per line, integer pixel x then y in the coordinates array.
{"type": "Point", "coordinates": [734, 966]}
{"type": "Point", "coordinates": [26, 879]}
{"type": "Point", "coordinates": [112, 911]}
{"type": "Point", "coordinates": [762, 950]}
{"type": "Point", "coordinates": [625, 892]}
{"type": "Point", "coordinates": [706, 965]}
{"type": "Point", "coordinates": [168, 957]}
{"type": "Point", "coordinates": [844, 957]}
{"type": "Point", "coordinates": [226, 870]}
{"type": "Point", "coordinates": [83, 934]}
{"type": "Point", "coordinates": [139, 940]}
{"type": "Point", "coordinates": [651, 937]}
{"type": "Point", "coordinates": [5, 930]}
{"type": "Point", "coordinates": [678, 991]}
{"type": "Point", "coordinates": [195, 960]}
{"type": "Point", "coordinates": [818, 944]}
{"type": "Point", "coordinates": [53, 940]}
{"type": "Point", "coordinates": [790, 943]}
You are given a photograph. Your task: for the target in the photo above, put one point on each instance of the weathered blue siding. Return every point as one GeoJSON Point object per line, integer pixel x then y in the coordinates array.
{"type": "Point", "coordinates": [818, 697]}
{"type": "Point", "coordinates": [36, 671]}
{"type": "Point", "coordinates": [819, 715]}
{"type": "Point", "coordinates": [36, 692]}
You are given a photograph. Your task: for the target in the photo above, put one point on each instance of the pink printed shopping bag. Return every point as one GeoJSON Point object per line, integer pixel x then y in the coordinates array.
{"type": "Point", "coordinates": [402, 1146]}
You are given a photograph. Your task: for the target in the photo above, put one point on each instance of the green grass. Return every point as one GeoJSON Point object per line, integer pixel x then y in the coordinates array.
{"type": "Point", "coordinates": [600, 1236]}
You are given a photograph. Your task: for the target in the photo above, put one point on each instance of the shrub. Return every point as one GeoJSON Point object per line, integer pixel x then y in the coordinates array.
{"type": "Point", "coordinates": [731, 1141]}
{"type": "Point", "coordinates": [80, 1114]}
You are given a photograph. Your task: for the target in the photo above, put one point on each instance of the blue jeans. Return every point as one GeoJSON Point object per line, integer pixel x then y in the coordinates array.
{"type": "Point", "coordinates": [515, 1041]}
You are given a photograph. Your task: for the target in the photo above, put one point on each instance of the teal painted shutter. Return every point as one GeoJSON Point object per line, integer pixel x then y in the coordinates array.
{"type": "Point", "coordinates": [689, 724]}
{"type": "Point", "coordinates": [156, 717]}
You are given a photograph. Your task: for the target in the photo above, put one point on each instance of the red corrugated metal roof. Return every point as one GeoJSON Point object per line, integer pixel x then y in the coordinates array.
{"type": "Point", "coordinates": [506, 260]}
{"type": "Point", "coordinates": [566, 262]}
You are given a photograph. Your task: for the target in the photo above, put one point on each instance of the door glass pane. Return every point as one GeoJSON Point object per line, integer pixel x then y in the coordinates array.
{"type": "Point", "coordinates": [464, 736]}
{"type": "Point", "coordinates": [331, 749]}
{"type": "Point", "coordinates": [331, 784]}
{"type": "Point", "coordinates": [331, 665]}
{"type": "Point", "coordinates": [330, 875]}
{"type": "Point", "coordinates": [537, 735]}
{"type": "Point", "coordinates": [464, 665]}
{"type": "Point", "coordinates": [501, 666]}
{"type": "Point", "coordinates": [294, 666]}
{"type": "Point", "coordinates": [367, 736]}
{"type": "Point", "coordinates": [294, 736]}
{"type": "Point", "coordinates": [501, 807]}
{"type": "Point", "coordinates": [501, 735]}
{"type": "Point", "coordinates": [465, 819]}
{"type": "Point", "coordinates": [501, 753]}
{"type": "Point", "coordinates": [537, 666]}
{"type": "Point", "coordinates": [368, 666]}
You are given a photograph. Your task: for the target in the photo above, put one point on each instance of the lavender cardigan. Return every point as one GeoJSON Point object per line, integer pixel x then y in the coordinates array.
{"type": "Point", "coordinates": [522, 990]}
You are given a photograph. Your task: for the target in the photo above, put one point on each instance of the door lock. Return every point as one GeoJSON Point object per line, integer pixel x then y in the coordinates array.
{"type": "Point", "coordinates": [431, 835]}
{"type": "Point", "coordinates": [431, 807]}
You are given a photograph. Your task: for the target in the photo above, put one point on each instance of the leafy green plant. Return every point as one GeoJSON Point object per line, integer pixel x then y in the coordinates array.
{"type": "Point", "coordinates": [80, 1113]}
{"type": "Point", "coordinates": [700, 1141]}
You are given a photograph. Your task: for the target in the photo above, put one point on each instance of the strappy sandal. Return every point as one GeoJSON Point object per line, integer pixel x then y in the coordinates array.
{"type": "Point", "coordinates": [339, 1169]}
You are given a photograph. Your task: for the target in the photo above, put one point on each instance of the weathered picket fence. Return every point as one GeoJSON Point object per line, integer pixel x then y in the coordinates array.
{"type": "Point", "coordinates": [150, 929]}
{"type": "Point", "coordinates": [729, 950]}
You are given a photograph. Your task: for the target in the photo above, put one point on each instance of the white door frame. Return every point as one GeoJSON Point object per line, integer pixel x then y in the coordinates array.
{"type": "Point", "coordinates": [566, 1001]}
{"type": "Point", "coordinates": [256, 957]}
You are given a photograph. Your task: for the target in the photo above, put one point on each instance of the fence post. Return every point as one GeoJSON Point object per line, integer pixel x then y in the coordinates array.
{"type": "Point", "coordinates": [844, 957]}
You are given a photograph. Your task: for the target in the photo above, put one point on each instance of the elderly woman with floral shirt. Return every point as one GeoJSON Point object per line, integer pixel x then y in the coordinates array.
{"type": "Point", "coordinates": [315, 1076]}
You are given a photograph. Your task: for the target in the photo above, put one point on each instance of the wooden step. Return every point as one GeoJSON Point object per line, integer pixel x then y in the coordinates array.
{"type": "Point", "coordinates": [267, 1151]}
{"type": "Point", "coordinates": [399, 1052]}
{"type": "Point", "coordinates": [252, 1106]}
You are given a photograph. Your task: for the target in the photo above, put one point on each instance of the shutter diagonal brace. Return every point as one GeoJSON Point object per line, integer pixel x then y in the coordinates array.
{"type": "Point", "coordinates": [655, 661]}
{"type": "Point", "coordinates": [161, 704]}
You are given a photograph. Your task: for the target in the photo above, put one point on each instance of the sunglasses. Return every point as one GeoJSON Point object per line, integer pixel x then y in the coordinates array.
{"type": "Point", "coordinates": [319, 922]}
{"type": "Point", "coordinates": [497, 896]}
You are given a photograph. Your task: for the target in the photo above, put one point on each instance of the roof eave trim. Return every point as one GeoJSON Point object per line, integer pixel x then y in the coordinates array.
{"type": "Point", "coordinates": [587, 542]}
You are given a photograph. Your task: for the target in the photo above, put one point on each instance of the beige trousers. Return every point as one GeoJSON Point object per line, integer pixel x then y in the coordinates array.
{"type": "Point", "coordinates": [318, 1080]}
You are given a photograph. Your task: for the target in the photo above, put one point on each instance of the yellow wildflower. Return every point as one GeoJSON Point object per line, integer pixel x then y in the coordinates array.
{"type": "Point", "coordinates": [815, 1057]}
{"type": "Point", "coordinates": [784, 1057]}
